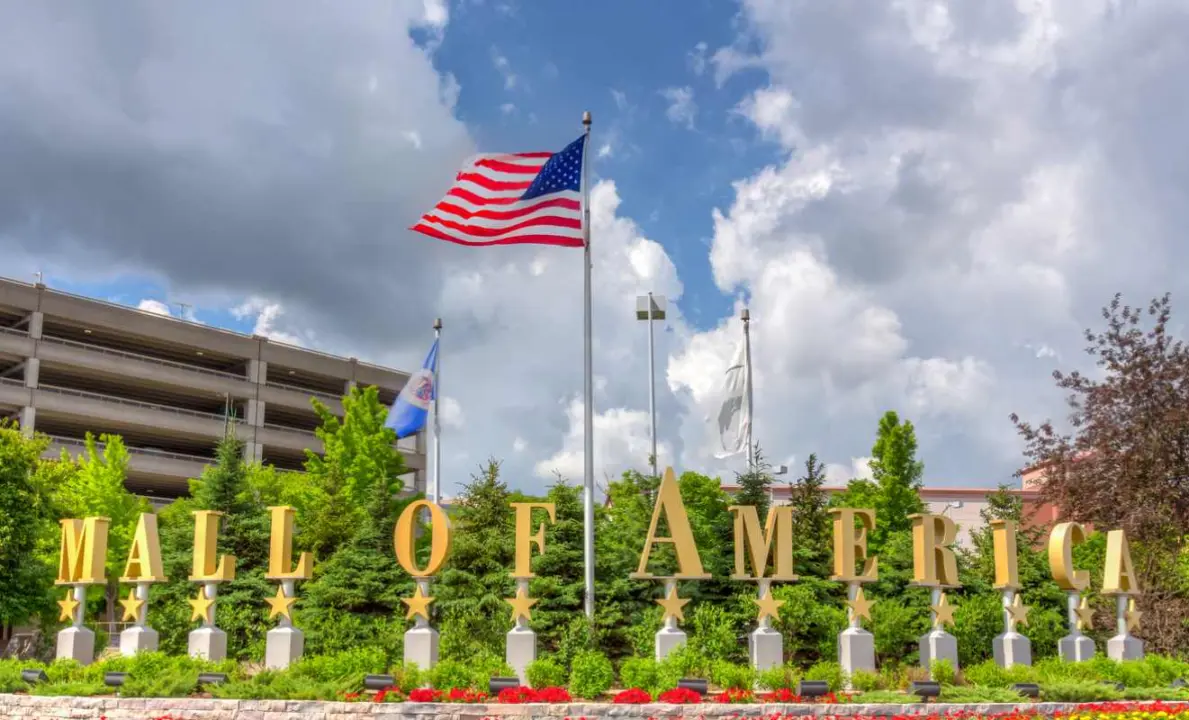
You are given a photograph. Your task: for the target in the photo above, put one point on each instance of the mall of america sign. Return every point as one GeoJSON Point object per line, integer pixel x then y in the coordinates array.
{"type": "Point", "coordinates": [763, 555]}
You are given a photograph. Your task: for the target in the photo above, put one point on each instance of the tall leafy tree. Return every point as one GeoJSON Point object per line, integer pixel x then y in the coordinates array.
{"type": "Point", "coordinates": [811, 520]}
{"type": "Point", "coordinates": [897, 473]}
{"type": "Point", "coordinates": [1123, 462]}
{"type": "Point", "coordinates": [358, 454]}
{"type": "Point", "coordinates": [26, 517]}
{"type": "Point", "coordinates": [96, 487]}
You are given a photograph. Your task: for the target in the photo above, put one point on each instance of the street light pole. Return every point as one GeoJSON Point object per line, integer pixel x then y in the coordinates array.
{"type": "Point", "coordinates": [648, 308]}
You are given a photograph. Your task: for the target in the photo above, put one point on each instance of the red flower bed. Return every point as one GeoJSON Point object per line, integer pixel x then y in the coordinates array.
{"type": "Point", "coordinates": [680, 696]}
{"type": "Point", "coordinates": [553, 695]}
{"type": "Point", "coordinates": [465, 695]}
{"type": "Point", "coordinates": [734, 696]}
{"type": "Point", "coordinates": [784, 695]}
{"type": "Point", "coordinates": [423, 695]}
{"type": "Point", "coordinates": [632, 696]}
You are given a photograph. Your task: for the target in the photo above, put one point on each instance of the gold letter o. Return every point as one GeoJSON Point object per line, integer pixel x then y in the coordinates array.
{"type": "Point", "coordinates": [439, 542]}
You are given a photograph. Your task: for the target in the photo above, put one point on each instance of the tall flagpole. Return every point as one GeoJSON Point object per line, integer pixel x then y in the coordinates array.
{"type": "Point", "coordinates": [751, 456]}
{"type": "Point", "coordinates": [588, 545]}
{"type": "Point", "coordinates": [436, 487]}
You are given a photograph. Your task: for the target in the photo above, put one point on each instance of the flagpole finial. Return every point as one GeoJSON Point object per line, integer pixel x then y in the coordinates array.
{"type": "Point", "coordinates": [437, 324]}
{"type": "Point", "coordinates": [586, 119]}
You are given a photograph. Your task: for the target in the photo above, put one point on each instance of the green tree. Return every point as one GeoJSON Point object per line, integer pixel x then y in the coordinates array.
{"type": "Point", "coordinates": [476, 580]}
{"type": "Point", "coordinates": [897, 473]}
{"type": "Point", "coordinates": [25, 519]}
{"type": "Point", "coordinates": [244, 533]}
{"type": "Point", "coordinates": [358, 453]}
{"type": "Point", "coordinates": [354, 599]}
{"type": "Point", "coordinates": [96, 488]}
{"type": "Point", "coordinates": [755, 485]}
{"type": "Point", "coordinates": [811, 521]}
{"type": "Point", "coordinates": [560, 583]}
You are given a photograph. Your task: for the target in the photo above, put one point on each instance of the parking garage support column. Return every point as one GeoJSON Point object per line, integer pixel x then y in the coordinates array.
{"type": "Point", "coordinates": [254, 413]}
{"type": "Point", "coordinates": [32, 372]}
{"type": "Point", "coordinates": [36, 320]}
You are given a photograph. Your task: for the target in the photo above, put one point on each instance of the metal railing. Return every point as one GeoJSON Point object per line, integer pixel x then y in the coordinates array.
{"type": "Point", "coordinates": [305, 391]}
{"type": "Point", "coordinates": [11, 381]}
{"type": "Point", "coordinates": [291, 430]}
{"type": "Point", "coordinates": [146, 313]}
{"type": "Point", "coordinates": [144, 358]}
{"type": "Point", "coordinates": [133, 450]}
{"type": "Point", "coordinates": [14, 331]}
{"type": "Point", "coordinates": [135, 403]}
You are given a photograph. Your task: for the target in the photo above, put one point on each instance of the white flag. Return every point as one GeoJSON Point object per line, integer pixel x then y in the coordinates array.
{"type": "Point", "coordinates": [734, 417]}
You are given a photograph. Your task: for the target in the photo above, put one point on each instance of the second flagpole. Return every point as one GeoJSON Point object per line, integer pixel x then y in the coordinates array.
{"type": "Point", "coordinates": [436, 481]}
{"type": "Point", "coordinates": [588, 545]}
{"type": "Point", "coordinates": [749, 413]}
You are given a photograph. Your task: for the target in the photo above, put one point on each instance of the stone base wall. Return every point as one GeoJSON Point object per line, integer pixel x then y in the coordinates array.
{"type": "Point", "coordinates": [111, 708]}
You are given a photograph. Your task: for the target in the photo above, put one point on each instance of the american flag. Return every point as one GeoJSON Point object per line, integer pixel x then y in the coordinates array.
{"type": "Point", "coordinates": [510, 199]}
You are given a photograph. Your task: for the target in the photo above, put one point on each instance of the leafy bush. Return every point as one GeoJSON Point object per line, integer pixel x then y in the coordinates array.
{"type": "Point", "coordinates": [268, 685]}
{"type": "Point", "coordinates": [639, 672]}
{"type": "Point", "coordinates": [730, 676]}
{"type": "Point", "coordinates": [883, 697]}
{"type": "Point", "coordinates": [959, 694]}
{"type": "Point", "coordinates": [784, 677]}
{"type": "Point", "coordinates": [591, 675]}
{"type": "Point", "coordinates": [863, 681]}
{"type": "Point", "coordinates": [545, 672]}
{"type": "Point", "coordinates": [942, 671]}
{"type": "Point", "coordinates": [829, 672]}
{"type": "Point", "coordinates": [1077, 692]}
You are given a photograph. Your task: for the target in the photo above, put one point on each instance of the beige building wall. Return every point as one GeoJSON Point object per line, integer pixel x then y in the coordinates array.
{"type": "Point", "coordinates": [70, 364]}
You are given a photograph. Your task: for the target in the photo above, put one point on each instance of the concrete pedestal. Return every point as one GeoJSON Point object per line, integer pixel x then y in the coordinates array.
{"type": "Point", "coordinates": [76, 643]}
{"type": "Point", "coordinates": [668, 639]}
{"type": "Point", "coordinates": [856, 650]}
{"type": "Point", "coordinates": [766, 647]}
{"type": "Point", "coordinates": [421, 645]}
{"type": "Point", "coordinates": [1125, 647]}
{"type": "Point", "coordinates": [138, 639]}
{"type": "Point", "coordinates": [1012, 648]}
{"type": "Point", "coordinates": [1076, 648]}
{"type": "Point", "coordinates": [283, 647]}
{"type": "Point", "coordinates": [208, 643]}
{"type": "Point", "coordinates": [521, 650]}
{"type": "Point", "coordinates": [938, 645]}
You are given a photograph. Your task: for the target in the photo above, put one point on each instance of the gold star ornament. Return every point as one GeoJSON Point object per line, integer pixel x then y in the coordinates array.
{"type": "Point", "coordinates": [418, 604]}
{"type": "Point", "coordinates": [1018, 611]}
{"type": "Point", "coordinates": [672, 605]}
{"type": "Point", "coordinates": [520, 605]}
{"type": "Point", "coordinates": [943, 612]}
{"type": "Point", "coordinates": [768, 605]}
{"type": "Point", "coordinates": [1084, 614]}
{"type": "Point", "coordinates": [280, 604]}
{"type": "Point", "coordinates": [200, 607]}
{"type": "Point", "coordinates": [68, 606]}
{"type": "Point", "coordinates": [132, 606]}
{"type": "Point", "coordinates": [860, 607]}
{"type": "Point", "coordinates": [1132, 615]}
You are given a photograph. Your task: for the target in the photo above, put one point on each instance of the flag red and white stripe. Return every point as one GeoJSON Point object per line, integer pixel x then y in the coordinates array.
{"type": "Point", "coordinates": [485, 206]}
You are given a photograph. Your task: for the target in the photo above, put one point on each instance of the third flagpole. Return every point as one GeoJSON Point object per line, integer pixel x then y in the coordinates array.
{"type": "Point", "coordinates": [436, 482]}
{"type": "Point", "coordinates": [749, 415]}
{"type": "Point", "coordinates": [588, 545]}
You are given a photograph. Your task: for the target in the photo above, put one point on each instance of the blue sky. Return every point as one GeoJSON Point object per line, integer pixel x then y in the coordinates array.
{"type": "Point", "coordinates": [561, 63]}
{"type": "Point", "coordinates": [923, 203]}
